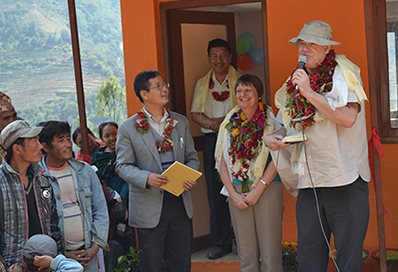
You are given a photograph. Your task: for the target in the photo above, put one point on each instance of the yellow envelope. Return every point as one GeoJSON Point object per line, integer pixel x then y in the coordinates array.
{"type": "Point", "coordinates": [177, 173]}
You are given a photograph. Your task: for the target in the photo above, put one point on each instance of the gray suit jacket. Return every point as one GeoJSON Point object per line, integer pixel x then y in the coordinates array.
{"type": "Point", "coordinates": [137, 157]}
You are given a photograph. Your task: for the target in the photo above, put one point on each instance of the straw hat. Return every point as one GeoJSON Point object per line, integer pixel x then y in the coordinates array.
{"type": "Point", "coordinates": [318, 32]}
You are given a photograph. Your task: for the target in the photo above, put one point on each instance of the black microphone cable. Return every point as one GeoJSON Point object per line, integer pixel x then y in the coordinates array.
{"type": "Point", "coordinates": [315, 192]}
{"type": "Point", "coordinates": [318, 206]}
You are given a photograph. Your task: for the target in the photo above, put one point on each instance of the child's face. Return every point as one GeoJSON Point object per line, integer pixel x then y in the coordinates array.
{"type": "Point", "coordinates": [109, 134]}
{"type": "Point", "coordinates": [28, 266]}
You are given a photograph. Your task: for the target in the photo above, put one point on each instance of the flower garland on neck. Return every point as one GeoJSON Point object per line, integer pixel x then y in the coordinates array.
{"type": "Point", "coordinates": [245, 142]}
{"type": "Point", "coordinates": [142, 125]}
{"type": "Point", "coordinates": [300, 110]}
{"type": "Point", "coordinates": [218, 97]}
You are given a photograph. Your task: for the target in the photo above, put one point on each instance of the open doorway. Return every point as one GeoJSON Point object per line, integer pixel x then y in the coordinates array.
{"type": "Point", "coordinates": [186, 30]}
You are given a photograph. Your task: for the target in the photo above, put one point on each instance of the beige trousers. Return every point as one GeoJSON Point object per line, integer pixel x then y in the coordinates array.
{"type": "Point", "coordinates": [258, 232]}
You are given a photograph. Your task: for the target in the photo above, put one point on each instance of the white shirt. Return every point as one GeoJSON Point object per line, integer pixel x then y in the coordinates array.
{"type": "Point", "coordinates": [336, 155]}
{"type": "Point", "coordinates": [212, 107]}
{"type": "Point", "coordinates": [157, 126]}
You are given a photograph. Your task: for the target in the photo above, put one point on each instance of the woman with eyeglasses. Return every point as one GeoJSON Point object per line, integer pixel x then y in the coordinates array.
{"type": "Point", "coordinates": [250, 179]}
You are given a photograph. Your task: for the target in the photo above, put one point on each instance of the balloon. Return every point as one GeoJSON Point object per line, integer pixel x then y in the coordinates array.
{"type": "Point", "coordinates": [249, 38]}
{"type": "Point", "coordinates": [244, 62]}
{"type": "Point", "coordinates": [242, 46]}
{"type": "Point", "coordinates": [257, 55]}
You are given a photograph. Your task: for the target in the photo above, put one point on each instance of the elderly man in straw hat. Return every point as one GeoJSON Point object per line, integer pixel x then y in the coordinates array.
{"type": "Point", "coordinates": [324, 103]}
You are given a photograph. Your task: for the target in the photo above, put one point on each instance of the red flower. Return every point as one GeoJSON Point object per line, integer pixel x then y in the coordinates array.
{"type": "Point", "coordinates": [297, 105]}
{"type": "Point", "coordinates": [142, 125]}
{"type": "Point", "coordinates": [220, 97]}
{"type": "Point", "coordinates": [245, 145]}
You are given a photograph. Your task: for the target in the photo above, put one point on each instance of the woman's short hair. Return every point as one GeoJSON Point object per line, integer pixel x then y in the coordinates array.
{"type": "Point", "coordinates": [251, 80]}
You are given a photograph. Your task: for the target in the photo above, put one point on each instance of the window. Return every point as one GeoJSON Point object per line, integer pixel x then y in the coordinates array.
{"type": "Point", "coordinates": [101, 52]}
{"type": "Point", "coordinates": [36, 64]}
{"type": "Point", "coordinates": [392, 43]}
{"type": "Point", "coordinates": [383, 66]}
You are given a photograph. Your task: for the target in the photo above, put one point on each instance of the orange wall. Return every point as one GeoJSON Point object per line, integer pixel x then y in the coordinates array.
{"type": "Point", "coordinates": [139, 44]}
{"type": "Point", "coordinates": [285, 18]}
{"type": "Point", "coordinates": [349, 29]}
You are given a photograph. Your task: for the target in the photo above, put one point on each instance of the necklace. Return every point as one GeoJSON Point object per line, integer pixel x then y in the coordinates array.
{"type": "Point", "coordinates": [224, 95]}
{"type": "Point", "coordinates": [245, 142]}
{"type": "Point", "coordinates": [300, 110]}
{"type": "Point", "coordinates": [142, 125]}
{"type": "Point", "coordinates": [28, 187]}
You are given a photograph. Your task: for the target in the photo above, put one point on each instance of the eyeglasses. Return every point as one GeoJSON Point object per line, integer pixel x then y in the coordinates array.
{"type": "Point", "coordinates": [244, 90]}
{"type": "Point", "coordinates": [160, 86]}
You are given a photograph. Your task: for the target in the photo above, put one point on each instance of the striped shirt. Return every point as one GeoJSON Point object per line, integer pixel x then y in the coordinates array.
{"type": "Point", "coordinates": [73, 217]}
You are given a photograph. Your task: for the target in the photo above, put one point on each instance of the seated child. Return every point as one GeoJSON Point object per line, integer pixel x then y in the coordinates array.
{"type": "Point", "coordinates": [40, 254]}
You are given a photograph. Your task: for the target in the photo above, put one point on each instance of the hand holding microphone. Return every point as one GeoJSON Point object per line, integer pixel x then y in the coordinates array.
{"type": "Point", "coordinates": [302, 61]}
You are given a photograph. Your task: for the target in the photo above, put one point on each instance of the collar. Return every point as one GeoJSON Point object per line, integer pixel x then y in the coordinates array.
{"type": "Point", "coordinates": [150, 116]}
{"type": "Point", "coordinates": [213, 77]}
{"type": "Point", "coordinates": [33, 170]}
{"type": "Point", "coordinates": [58, 168]}
{"type": "Point", "coordinates": [74, 164]}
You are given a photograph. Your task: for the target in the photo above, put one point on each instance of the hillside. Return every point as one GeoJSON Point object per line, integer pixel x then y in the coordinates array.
{"type": "Point", "coordinates": [36, 64]}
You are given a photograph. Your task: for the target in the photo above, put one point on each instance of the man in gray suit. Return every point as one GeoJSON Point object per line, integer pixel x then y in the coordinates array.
{"type": "Point", "coordinates": [147, 144]}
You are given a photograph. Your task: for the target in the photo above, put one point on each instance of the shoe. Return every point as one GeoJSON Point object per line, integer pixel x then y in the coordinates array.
{"type": "Point", "coordinates": [219, 252]}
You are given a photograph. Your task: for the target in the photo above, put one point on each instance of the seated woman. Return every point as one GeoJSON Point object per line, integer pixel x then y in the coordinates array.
{"type": "Point", "coordinates": [249, 175]}
{"type": "Point", "coordinates": [104, 158]}
{"type": "Point", "coordinates": [93, 145]}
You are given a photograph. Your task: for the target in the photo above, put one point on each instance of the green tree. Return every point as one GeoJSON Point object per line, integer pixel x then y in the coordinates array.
{"type": "Point", "coordinates": [111, 100]}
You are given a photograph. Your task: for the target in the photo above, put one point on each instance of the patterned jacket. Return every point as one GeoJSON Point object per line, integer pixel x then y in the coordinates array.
{"type": "Point", "coordinates": [14, 224]}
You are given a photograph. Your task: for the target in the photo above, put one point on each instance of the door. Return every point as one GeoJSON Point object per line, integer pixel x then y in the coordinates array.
{"type": "Point", "coordinates": [188, 33]}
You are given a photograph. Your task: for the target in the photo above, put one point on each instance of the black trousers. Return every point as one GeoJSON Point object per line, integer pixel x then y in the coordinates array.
{"type": "Point", "coordinates": [167, 247]}
{"type": "Point", "coordinates": [220, 220]}
{"type": "Point", "coordinates": [345, 213]}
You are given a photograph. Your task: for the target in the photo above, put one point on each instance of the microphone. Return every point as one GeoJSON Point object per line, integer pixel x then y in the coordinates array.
{"type": "Point", "coordinates": [302, 61]}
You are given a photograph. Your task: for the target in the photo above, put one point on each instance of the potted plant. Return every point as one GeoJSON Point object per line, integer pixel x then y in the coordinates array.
{"type": "Point", "coordinates": [128, 262]}
{"type": "Point", "coordinates": [289, 256]}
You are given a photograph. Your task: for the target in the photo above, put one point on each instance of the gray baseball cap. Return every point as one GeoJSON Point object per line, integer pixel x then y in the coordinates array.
{"type": "Point", "coordinates": [39, 245]}
{"type": "Point", "coordinates": [15, 130]}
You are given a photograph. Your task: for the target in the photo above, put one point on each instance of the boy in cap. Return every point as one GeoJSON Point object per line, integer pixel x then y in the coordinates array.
{"type": "Point", "coordinates": [40, 254]}
{"type": "Point", "coordinates": [27, 204]}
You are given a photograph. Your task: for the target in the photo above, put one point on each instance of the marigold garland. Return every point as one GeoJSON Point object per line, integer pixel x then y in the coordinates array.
{"type": "Point", "coordinates": [245, 142]}
{"type": "Point", "coordinates": [142, 125]}
{"type": "Point", "coordinates": [300, 110]}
